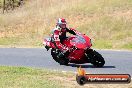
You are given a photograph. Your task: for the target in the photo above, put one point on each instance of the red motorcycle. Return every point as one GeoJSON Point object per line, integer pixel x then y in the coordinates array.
{"type": "Point", "coordinates": [80, 51]}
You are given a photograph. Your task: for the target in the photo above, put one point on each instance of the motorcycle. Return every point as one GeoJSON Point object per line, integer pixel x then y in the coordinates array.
{"type": "Point", "coordinates": [80, 51]}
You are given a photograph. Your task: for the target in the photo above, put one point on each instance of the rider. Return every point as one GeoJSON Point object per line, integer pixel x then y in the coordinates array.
{"type": "Point", "coordinates": [59, 34]}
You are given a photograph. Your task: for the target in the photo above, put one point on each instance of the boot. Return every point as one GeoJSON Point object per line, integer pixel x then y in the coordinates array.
{"type": "Point", "coordinates": [47, 47]}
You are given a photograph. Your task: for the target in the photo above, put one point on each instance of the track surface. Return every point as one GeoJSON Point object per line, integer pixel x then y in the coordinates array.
{"type": "Point", "coordinates": [116, 61]}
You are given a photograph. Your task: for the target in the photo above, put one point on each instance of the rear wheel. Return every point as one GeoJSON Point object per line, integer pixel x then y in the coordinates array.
{"type": "Point", "coordinates": [62, 60]}
{"type": "Point", "coordinates": [95, 58]}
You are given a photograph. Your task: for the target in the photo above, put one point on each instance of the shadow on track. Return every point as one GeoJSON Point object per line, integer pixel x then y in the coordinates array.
{"type": "Point", "coordinates": [88, 66]}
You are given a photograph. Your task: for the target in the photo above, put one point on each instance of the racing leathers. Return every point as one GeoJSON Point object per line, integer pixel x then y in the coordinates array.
{"type": "Point", "coordinates": [59, 35]}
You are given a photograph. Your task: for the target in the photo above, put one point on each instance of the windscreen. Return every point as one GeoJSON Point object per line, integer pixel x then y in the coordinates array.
{"type": "Point", "coordinates": [78, 40]}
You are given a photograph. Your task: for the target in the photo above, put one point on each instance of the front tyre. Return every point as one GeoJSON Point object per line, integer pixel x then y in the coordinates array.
{"type": "Point", "coordinates": [96, 59]}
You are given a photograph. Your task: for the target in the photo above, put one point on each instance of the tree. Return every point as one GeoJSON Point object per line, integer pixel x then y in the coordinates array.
{"type": "Point", "coordinates": [8, 5]}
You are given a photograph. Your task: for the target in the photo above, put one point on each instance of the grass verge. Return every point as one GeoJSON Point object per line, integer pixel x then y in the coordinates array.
{"type": "Point", "coordinates": [21, 77]}
{"type": "Point", "coordinates": [25, 77]}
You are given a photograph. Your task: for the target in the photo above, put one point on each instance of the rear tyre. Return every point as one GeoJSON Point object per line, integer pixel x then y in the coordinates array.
{"type": "Point", "coordinates": [62, 60]}
{"type": "Point", "coordinates": [95, 58]}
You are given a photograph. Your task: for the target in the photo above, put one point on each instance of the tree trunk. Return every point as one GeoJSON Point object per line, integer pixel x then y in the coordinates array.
{"type": "Point", "coordinates": [3, 6]}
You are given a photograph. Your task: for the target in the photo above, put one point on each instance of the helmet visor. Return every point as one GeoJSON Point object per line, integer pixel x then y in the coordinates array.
{"type": "Point", "coordinates": [62, 25]}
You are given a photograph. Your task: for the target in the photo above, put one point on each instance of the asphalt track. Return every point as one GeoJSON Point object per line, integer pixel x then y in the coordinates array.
{"type": "Point", "coordinates": [117, 62]}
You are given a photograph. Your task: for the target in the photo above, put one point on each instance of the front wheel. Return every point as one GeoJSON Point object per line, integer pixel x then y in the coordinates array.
{"type": "Point", "coordinates": [95, 58]}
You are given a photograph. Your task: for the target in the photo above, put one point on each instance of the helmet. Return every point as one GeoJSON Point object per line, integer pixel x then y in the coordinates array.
{"type": "Point", "coordinates": [61, 23]}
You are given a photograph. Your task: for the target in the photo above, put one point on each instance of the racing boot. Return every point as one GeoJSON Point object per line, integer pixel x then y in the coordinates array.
{"type": "Point", "coordinates": [47, 47]}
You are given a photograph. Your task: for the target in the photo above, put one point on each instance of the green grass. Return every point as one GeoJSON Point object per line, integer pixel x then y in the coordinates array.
{"type": "Point", "coordinates": [9, 41]}
{"type": "Point", "coordinates": [108, 23]}
{"type": "Point", "coordinates": [23, 77]}
{"type": "Point", "coordinates": [127, 46]}
{"type": "Point", "coordinates": [102, 44]}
